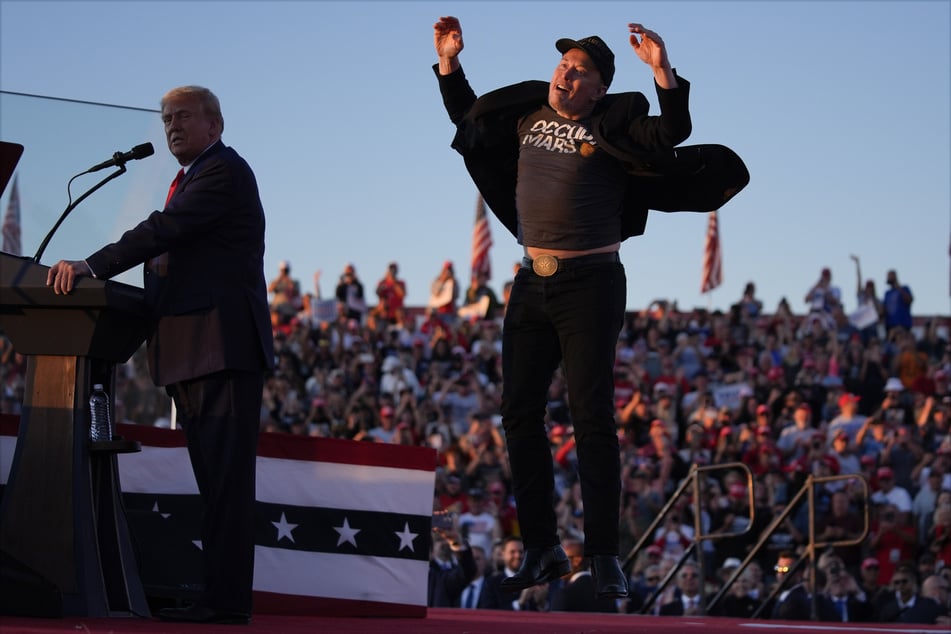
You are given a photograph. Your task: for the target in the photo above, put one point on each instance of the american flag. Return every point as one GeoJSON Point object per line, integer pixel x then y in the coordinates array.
{"type": "Point", "coordinates": [712, 264]}
{"type": "Point", "coordinates": [481, 241]}
{"type": "Point", "coordinates": [342, 527]}
{"type": "Point", "coordinates": [11, 223]}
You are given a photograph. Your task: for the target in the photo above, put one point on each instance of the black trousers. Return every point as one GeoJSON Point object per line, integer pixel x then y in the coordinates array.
{"type": "Point", "coordinates": [572, 317]}
{"type": "Point", "coordinates": [220, 415]}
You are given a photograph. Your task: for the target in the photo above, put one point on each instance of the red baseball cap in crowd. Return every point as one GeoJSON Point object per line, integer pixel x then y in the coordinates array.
{"type": "Point", "coordinates": [847, 398]}
{"type": "Point", "coordinates": [737, 491]}
{"type": "Point", "coordinates": [885, 473]}
{"type": "Point", "coordinates": [761, 410]}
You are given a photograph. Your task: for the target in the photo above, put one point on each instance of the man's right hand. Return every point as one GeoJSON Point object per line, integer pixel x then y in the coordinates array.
{"type": "Point", "coordinates": [62, 275]}
{"type": "Point", "coordinates": [447, 38]}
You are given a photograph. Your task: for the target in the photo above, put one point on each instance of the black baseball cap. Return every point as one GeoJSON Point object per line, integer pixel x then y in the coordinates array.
{"type": "Point", "coordinates": [596, 49]}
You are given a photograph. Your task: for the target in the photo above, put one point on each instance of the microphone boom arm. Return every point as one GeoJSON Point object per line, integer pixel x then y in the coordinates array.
{"type": "Point", "coordinates": [49, 236]}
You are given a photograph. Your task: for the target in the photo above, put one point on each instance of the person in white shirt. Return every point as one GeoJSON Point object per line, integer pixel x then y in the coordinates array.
{"type": "Point", "coordinates": [478, 525]}
{"type": "Point", "coordinates": [891, 493]}
{"type": "Point", "coordinates": [794, 439]}
{"type": "Point", "coordinates": [396, 377]}
{"type": "Point", "coordinates": [848, 418]}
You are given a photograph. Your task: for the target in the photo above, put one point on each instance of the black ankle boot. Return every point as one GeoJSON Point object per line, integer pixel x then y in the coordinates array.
{"type": "Point", "coordinates": [540, 565]}
{"type": "Point", "coordinates": [609, 579]}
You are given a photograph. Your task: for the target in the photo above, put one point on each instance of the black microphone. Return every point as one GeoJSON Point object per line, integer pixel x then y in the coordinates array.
{"type": "Point", "coordinates": [120, 158]}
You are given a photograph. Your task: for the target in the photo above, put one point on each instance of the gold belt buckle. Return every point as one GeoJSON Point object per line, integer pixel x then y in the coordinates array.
{"type": "Point", "coordinates": [545, 265]}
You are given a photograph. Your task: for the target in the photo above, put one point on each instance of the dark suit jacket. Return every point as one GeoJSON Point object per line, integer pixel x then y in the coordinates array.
{"type": "Point", "coordinates": [737, 607]}
{"type": "Point", "coordinates": [690, 178]}
{"type": "Point", "coordinates": [797, 606]}
{"type": "Point", "coordinates": [492, 597]}
{"type": "Point", "coordinates": [210, 308]}
{"type": "Point", "coordinates": [857, 611]}
{"type": "Point", "coordinates": [676, 606]}
{"type": "Point", "coordinates": [446, 584]}
{"type": "Point", "coordinates": [794, 606]}
{"type": "Point", "coordinates": [924, 610]}
{"type": "Point", "coordinates": [579, 594]}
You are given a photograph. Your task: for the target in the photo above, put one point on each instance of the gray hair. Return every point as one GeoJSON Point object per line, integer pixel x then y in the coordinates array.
{"type": "Point", "coordinates": [207, 100]}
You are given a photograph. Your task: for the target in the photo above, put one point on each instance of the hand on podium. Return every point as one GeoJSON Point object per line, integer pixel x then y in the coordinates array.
{"type": "Point", "coordinates": [62, 275]}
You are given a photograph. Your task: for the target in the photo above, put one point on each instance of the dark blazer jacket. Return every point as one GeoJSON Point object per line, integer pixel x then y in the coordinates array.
{"type": "Point", "coordinates": [492, 597]}
{"type": "Point", "coordinates": [797, 606]}
{"type": "Point", "coordinates": [662, 177]}
{"type": "Point", "coordinates": [579, 594]}
{"type": "Point", "coordinates": [857, 611]}
{"type": "Point", "coordinates": [209, 306]}
{"type": "Point", "coordinates": [446, 584]}
{"type": "Point", "coordinates": [675, 607]}
{"type": "Point", "coordinates": [737, 607]}
{"type": "Point", "coordinates": [924, 610]}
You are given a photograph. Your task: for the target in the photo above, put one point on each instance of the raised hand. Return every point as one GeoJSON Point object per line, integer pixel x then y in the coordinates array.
{"type": "Point", "coordinates": [447, 37]}
{"type": "Point", "coordinates": [650, 47]}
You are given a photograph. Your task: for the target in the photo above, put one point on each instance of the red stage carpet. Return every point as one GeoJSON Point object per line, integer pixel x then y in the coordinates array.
{"type": "Point", "coordinates": [455, 621]}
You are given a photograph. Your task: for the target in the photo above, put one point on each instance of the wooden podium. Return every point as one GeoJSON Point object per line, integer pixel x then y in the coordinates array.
{"type": "Point", "coordinates": [64, 543]}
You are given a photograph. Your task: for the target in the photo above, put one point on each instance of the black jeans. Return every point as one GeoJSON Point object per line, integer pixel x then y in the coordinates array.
{"type": "Point", "coordinates": [572, 317]}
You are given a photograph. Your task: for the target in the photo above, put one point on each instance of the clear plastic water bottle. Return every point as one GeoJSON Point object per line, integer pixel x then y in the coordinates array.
{"type": "Point", "coordinates": [100, 427]}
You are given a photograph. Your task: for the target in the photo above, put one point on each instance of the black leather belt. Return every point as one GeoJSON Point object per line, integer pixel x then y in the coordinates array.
{"type": "Point", "coordinates": [548, 265]}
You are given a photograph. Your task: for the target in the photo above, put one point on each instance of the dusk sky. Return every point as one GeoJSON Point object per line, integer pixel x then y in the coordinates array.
{"type": "Point", "coordinates": [839, 109]}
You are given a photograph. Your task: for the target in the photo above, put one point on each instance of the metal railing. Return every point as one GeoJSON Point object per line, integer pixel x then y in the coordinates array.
{"type": "Point", "coordinates": [812, 547]}
{"type": "Point", "coordinates": [693, 483]}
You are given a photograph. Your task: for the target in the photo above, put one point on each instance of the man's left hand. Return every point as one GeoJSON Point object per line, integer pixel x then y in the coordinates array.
{"type": "Point", "coordinates": [650, 47]}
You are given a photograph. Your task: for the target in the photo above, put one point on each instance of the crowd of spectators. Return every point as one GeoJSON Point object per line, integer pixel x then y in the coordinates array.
{"type": "Point", "coordinates": [787, 394]}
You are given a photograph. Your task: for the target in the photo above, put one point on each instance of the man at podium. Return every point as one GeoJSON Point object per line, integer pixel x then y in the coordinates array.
{"type": "Point", "coordinates": [210, 342]}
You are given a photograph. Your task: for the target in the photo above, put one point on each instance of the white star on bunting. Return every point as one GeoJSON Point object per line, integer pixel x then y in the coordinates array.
{"type": "Point", "coordinates": [284, 529]}
{"type": "Point", "coordinates": [346, 533]}
{"type": "Point", "coordinates": [406, 538]}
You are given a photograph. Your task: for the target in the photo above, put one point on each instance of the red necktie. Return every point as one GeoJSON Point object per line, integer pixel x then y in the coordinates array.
{"type": "Point", "coordinates": [159, 264]}
{"type": "Point", "coordinates": [174, 185]}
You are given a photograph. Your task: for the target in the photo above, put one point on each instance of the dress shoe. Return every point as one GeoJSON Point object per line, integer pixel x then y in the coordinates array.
{"type": "Point", "coordinates": [202, 614]}
{"type": "Point", "coordinates": [608, 577]}
{"type": "Point", "coordinates": [540, 565]}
